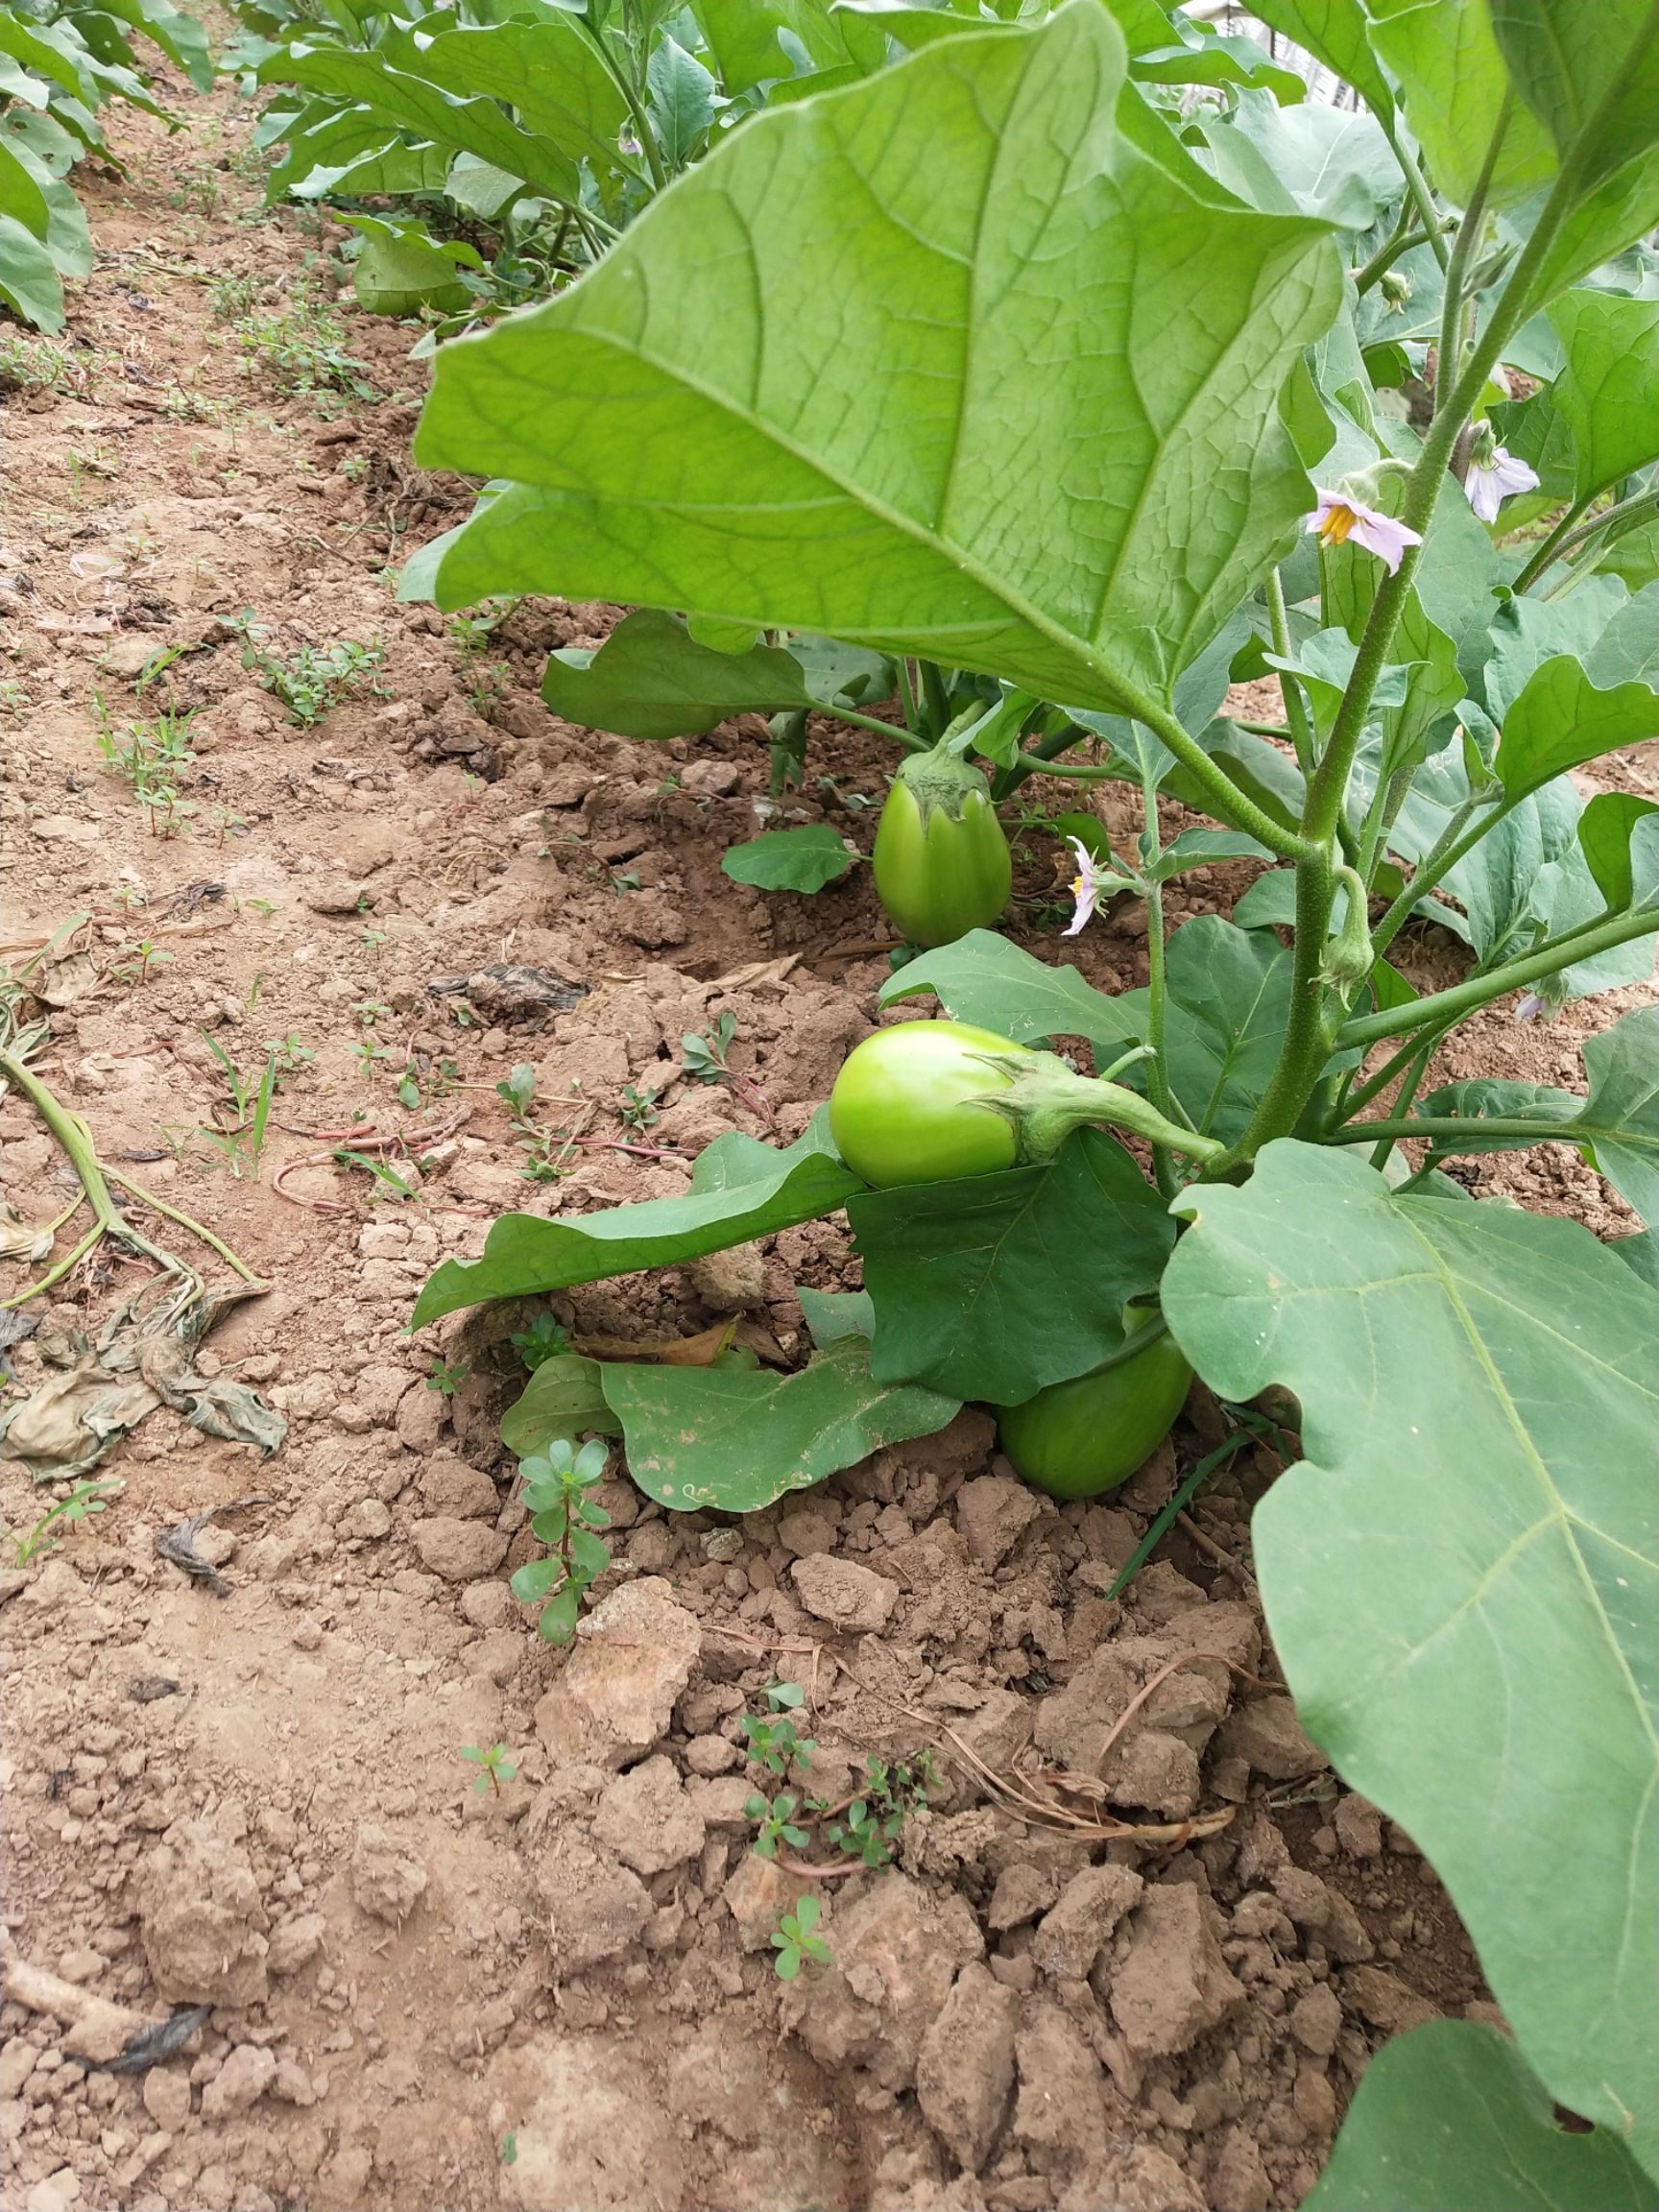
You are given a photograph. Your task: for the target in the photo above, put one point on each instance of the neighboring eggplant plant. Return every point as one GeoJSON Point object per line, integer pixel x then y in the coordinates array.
{"type": "Point", "coordinates": [993, 365]}
{"type": "Point", "coordinates": [61, 61]}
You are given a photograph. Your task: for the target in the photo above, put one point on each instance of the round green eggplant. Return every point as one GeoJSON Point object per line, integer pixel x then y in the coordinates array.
{"type": "Point", "coordinates": [941, 858]}
{"type": "Point", "coordinates": [902, 1111]}
{"type": "Point", "coordinates": [1076, 1439]}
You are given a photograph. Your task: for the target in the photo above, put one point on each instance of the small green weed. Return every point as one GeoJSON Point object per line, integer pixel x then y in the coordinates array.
{"type": "Point", "coordinates": [558, 1487]}
{"type": "Point", "coordinates": [317, 678]}
{"type": "Point", "coordinates": [83, 1501]}
{"type": "Point", "coordinates": [773, 1742]}
{"type": "Point", "coordinates": [636, 1110]}
{"type": "Point", "coordinates": [545, 1153]}
{"type": "Point", "coordinates": [541, 1341]}
{"type": "Point", "coordinates": [301, 351]}
{"type": "Point", "coordinates": [494, 1766]}
{"type": "Point", "coordinates": [777, 1824]}
{"type": "Point", "coordinates": [795, 1942]}
{"type": "Point", "coordinates": [232, 297]}
{"type": "Point", "coordinates": [445, 1379]}
{"type": "Point", "coordinates": [248, 1100]}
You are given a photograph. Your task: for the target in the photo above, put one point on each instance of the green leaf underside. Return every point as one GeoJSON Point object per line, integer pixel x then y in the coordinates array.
{"type": "Point", "coordinates": [1461, 1578]}
{"type": "Point", "coordinates": [983, 979]}
{"type": "Point", "coordinates": [1561, 720]}
{"type": "Point", "coordinates": [833, 380]}
{"type": "Point", "coordinates": [741, 1189]}
{"type": "Point", "coordinates": [1448, 2116]}
{"type": "Point", "coordinates": [564, 1397]}
{"type": "Point", "coordinates": [995, 1286]}
{"type": "Point", "coordinates": [652, 679]}
{"type": "Point", "coordinates": [803, 859]}
{"type": "Point", "coordinates": [735, 1439]}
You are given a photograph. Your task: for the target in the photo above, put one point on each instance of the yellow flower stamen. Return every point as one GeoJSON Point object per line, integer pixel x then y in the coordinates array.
{"type": "Point", "coordinates": [1336, 525]}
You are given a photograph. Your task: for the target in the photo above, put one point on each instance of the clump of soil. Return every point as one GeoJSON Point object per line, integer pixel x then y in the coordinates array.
{"type": "Point", "coordinates": [559, 1991]}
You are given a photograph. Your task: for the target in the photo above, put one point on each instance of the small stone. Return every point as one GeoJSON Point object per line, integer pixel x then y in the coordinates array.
{"type": "Point", "coordinates": [722, 1802]}
{"type": "Point", "coordinates": [241, 2081]}
{"type": "Point", "coordinates": [295, 1942]}
{"type": "Point", "coordinates": [337, 897]}
{"type": "Point", "coordinates": [633, 1657]}
{"type": "Point", "coordinates": [1239, 2181]}
{"type": "Point", "coordinates": [57, 2192]}
{"type": "Point", "coordinates": [387, 1881]}
{"type": "Point", "coordinates": [16, 2064]}
{"type": "Point", "coordinates": [291, 2085]}
{"type": "Point", "coordinates": [1314, 2102]}
{"type": "Point", "coordinates": [723, 1545]}
{"type": "Point", "coordinates": [453, 1488]}
{"type": "Point", "coordinates": [758, 1895]}
{"type": "Point", "coordinates": [1068, 1939]}
{"type": "Point", "coordinates": [809, 1528]}
{"type": "Point", "coordinates": [965, 2072]}
{"type": "Point", "coordinates": [1316, 2020]}
{"type": "Point", "coordinates": [487, 1605]}
{"type": "Point", "coordinates": [81, 1966]}
{"type": "Point", "coordinates": [1173, 1986]}
{"type": "Point", "coordinates": [994, 1511]}
{"type": "Point", "coordinates": [731, 1281]}
{"type": "Point", "coordinates": [459, 1551]}
{"type": "Point", "coordinates": [167, 2097]}
{"type": "Point", "coordinates": [709, 1755]}
{"type": "Point", "coordinates": [1385, 2001]}
{"type": "Point", "coordinates": [368, 1519]}
{"type": "Point", "coordinates": [1314, 1903]}
{"type": "Point", "coordinates": [845, 1595]}
{"type": "Point", "coordinates": [1358, 1827]}
{"type": "Point", "coordinates": [1267, 1734]}
{"type": "Point", "coordinates": [645, 1819]}
{"type": "Point", "coordinates": [595, 1907]}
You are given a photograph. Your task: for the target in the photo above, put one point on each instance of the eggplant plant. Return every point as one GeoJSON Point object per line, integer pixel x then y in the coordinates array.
{"type": "Point", "coordinates": [999, 358]}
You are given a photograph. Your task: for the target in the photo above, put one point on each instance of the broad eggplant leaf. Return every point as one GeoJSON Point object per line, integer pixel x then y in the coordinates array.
{"type": "Point", "coordinates": [1561, 720]}
{"type": "Point", "coordinates": [1204, 848]}
{"type": "Point", "coordinates": [803, 859]}
{"type": "Point", "coordinates": [1628, 650]}
{"type": "Point", "coordinates": [1619, 836]}
{"type": "Point", "coordinates": [1454, 82]}
{"type": "Point", "coordinates": [175, 30]}
{"type": "Point", "coordinates": [744, 38]}
{"type": "Point", "coordinates": [747, 410]}
{"type": "Point", "coordinates": [681, 102]}
{"type": "Point", "coordinates": [478, 124]}
{"type": "Point", "coordinates": [1609, 396]}
{"type": "Point", "coordinates": [564, 1397]}
{"type": "Point", "coordinates": [831, 1314]}
{"type": "Point", "coordinates": [550, 71]}
{"type": "Point", "coordinates": [1640, 1252]}
{"type": "Point", "coordinates": [741, 1189]}
{"type": "Point", "coordinates": [29, 281]}
{"type": "Point", "coordinates": [1462, 1576]}
{"type": "Point", "coordinates": [1528, 631]}
{"type": "Point", "coordinates": [1590, 78]}
{"type": "Point", "coordinates": [737, 1439]}
{"type": "Point", "coordinates": [995, 1286]}
{"type": "Point", "coordinates": [1450, 2115]}
{"type": "Point", "coordinates": [1229, 997]}
{"type": "Point", "coordinates": [401, 268]}
{"type": "Point", "coordinates": [1315, 159]}
{"type": "Point", "coordinates": [651, 679]}
{"type": "Point", "coordinates": [983, 979]}
{"type": "Point", "coordinates": [1334, 33]}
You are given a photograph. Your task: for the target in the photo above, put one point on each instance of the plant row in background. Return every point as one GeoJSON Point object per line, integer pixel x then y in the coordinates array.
{"type": "Point", "coordinates": [60, 62]}
{"type": "Point", "coordinates": [999, 371]}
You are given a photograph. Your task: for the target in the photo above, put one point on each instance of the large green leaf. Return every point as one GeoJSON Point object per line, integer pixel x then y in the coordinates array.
{"type": "Point", "coordinates": [1591, 75]}
{"type": "Point", "coordinates": [741, 1189]}
{"type": "Point", "coordinates": [564, 1397]}
{"type": "Point", "coordinates": [742, 36]}
{"type": "Point", "coordinates": [804, 390]}
{"type": "Point", "coordinates": [401, 267]}
{"type": "Point", "coordinates": [1461, 1578]}
{"type": "Point", "coordinates": [1609, 394]}
{"type": "Point", "coordinates": [1455, 84]}
{"type": "Point", "coordinates": [1321, 159]}
{"type": "Point", "coordinates": [1229, 998]}
{"type": "Point", "coordinates": [550, 71]}
{"type": "Point", "coordinates": [477, 124]}
{"type": "Point", "coordinates": [1334, 33]}
{"type": "Point", "coordinates": [995, 1287]}
{"type": "Point", "coordinates": [803, 859]}
{"type": "Point", "coordinates": [1562, 720]}
{"type": "Point", "coordinates": [737, 1440]}
{"type": "Point", "coordinates": [29, 281]}
{"type": "Point", "coordinates": [651, 679]}
{"type": "Point", "coordinates": [1619, 836]}
{"type": "Point", "coordinates": [1450, 2118]}
{"type": "Point", "coordinates": [175, 30]}
{"type": "Point", "coordinates": [983, 979]}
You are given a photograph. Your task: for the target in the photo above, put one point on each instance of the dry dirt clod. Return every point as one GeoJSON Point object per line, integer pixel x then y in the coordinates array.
{"type": "Point", "coordinates": [965, 2071]}
{"type": "Point", "coordinates": [841, 1593]}
{"type": "Point", "coordinates": [993, 1512]}
{"type": "Point", "coordinates": [387, 1881]}
{"type": "Point", "coordinates": [896, 1951]}
{"type": "Point", "coordinates": [201, 1919]}
{"type": "Point", "coordinates": [1069, 1937]}
{"type": "Point", "coordinates": [633, 1657]}
{"type": "Point", "coordinates": [1173, 1986]}
{"type": "Point", "coordinates": [458, 1550]}
{"type": "Point", "coordinates": [595, 1907]}
{"type": "Point", "coordinates": [646, 1818]}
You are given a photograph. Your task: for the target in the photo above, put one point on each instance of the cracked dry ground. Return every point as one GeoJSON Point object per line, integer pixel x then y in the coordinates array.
{"type": "Point", "coordinates": [560, 1994]}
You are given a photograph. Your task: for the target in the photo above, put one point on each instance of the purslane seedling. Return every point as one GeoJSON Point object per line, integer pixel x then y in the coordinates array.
{"type": "Point", "coordinates": [558, 1487]}
{"type": "Point", "coordinates": [793, 1941]}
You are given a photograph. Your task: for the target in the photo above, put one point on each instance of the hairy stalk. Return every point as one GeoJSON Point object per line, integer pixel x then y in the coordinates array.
{"type": "Point", "coordinates": [1422, 198]}
{"type": "Point", "coordinates": [1442, 856]}
{"type": "Point", "coordinates": [1453, 1125]}
{"type": "Point", "coordinates": [1407, 1098]}
{"type": "Point", "coordinates": [1354, 1102]}
{"type": "Point", "coordinates": [1296, 715]}
{"type": "Point", "coordinates": [1157, 988]}
{"type": "Point", "coordinates": [1403, 239]}
{"type": "Point", "coordinates": [1305, 1043]}
{"type": "Point", "coordinates": [1605, 935]}
{"type": "Point", "coordinates": [936, 697]}
{"type": "Point", "coordinates": [1449, 359]}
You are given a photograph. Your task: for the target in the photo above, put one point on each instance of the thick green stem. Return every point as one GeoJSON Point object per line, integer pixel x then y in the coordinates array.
{"type": "Point", "coordinates": [1445, 1006]}
{"type": "Point", "coordinates": [1355, 1100]}
{"type": "Point", "coordinates": [1449, 359]}
{"type": "Point", "coordinates": [1080, 770]}
{"type": "Point", "coordinates": [1401, 240]}
{"type": "Point", "coordinates": [1157, 987]}
{"type": "Point", "coordinates": [1453, 1126]}
{"type": "Point", "coordinates": [1225, 797]}
{"type": "Point", "coordinates": [1296, 715]}
{"type": "Point", "coordinates": [1442, 856]}
{"type": "Point", "coordinates": [1422, 198]}
{"type": "Point", "coordinates": [1564, 540]}
{"type": "Point", "coordinates": [936, 696]}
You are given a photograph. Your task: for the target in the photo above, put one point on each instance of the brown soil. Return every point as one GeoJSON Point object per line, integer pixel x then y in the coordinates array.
{"type": "Point", "coordinates": [560, 1994]}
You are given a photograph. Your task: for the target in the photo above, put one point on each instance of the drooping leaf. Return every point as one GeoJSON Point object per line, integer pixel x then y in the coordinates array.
{"type": "Point", "coordinates": [997, 1286]}
{"type": "Point", "coordinates": [803, 859]}
{"type": "Point", "coordinates": [913, 481]}
{"type": "Point", "coordinates": [1204, 848]}
{"type": "Point", "coordinates": [743, 36]}
{"type": "Point", "coordinates": [1592, 80]}
{"type": "Point", "coordinates": [29, 281]}
{"type": "Point", "coordinates": [682, 101]}
{"type": "Point", "coordinates": [564, 1397]}
{"type": "Point", "coordinates": [831, 1314]}
{"type": "Point", "coordinates": [1455, 84]}
{"type": "Point", "coordinates": [1619, 836]}
{"type": "Point", "coordinates": [1609, 396]}
{"type": "Point", "coordinates": [1461, 1578]}
{"type": "Point", "coordinates": [401, 268]}
{"type": "Point", "coordinates": [550, 71]}
{"type": "Point", "coordinates": [1561, 720]}
{"type": "Point", "coordinates": [1229, 996]}
{"type": "Point", "coordinates": [1620, 1125]}
{"type": "Point", "coordinates": [983, 979]}
{"type": "Point", "coordinates": [1334, 33]}
{"type": "Point", "coordinates": [1322, 160]}
{"type": "Point", "coordinates": [741, 1189]}
{"type": "Point", "coordinates": [735, 1441]}
{"type": "Point", "coordinates": [1526, 632]}
{"type": "Point", "coordinates": [651, 679]}
{"type": "Point", "coordinates": [1451, 2115]}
